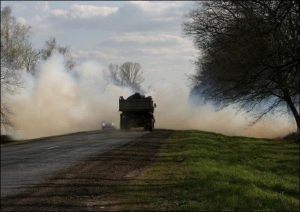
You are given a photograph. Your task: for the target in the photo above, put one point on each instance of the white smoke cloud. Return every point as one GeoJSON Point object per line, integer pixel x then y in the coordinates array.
{"type": "Point", "coordinates": [58, 102]}
{"type": "Point", "coordinates": [175, 112]}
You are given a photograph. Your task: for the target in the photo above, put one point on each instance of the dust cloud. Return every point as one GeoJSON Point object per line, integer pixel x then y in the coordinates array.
{"type": "Point", "coordinates": [58, 102]}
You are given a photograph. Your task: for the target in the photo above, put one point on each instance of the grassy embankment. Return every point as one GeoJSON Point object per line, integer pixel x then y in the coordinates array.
{"type": "Point", "coordinates": [205, 171]}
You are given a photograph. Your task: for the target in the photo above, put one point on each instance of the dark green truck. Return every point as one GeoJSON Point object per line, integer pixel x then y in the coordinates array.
{"type": "Point", "coordinates": [137, 111]}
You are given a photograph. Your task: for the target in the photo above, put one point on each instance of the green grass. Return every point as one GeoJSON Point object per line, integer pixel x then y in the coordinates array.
{"type": "Point", "coordinates": [200, 171]}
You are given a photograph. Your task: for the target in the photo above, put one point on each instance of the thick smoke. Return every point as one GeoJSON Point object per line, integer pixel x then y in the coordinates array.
{"type": "Point", "coordinates": [58, 102]}
{"type": "Point", "coordinates": [175, 112]}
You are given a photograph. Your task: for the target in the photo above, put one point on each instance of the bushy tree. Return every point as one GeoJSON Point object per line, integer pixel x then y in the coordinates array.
{"type": "Point", "coordinates": [249, 53]}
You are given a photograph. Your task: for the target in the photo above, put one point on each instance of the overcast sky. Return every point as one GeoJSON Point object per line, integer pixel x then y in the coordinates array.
{"type": "Point", "coordinates": [149, 33]}
{"type": "Point", "coordinates": [116, 32]}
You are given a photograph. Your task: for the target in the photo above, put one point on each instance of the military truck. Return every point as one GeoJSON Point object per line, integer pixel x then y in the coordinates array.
{"type": "Point", "coordinates": [137, 111]}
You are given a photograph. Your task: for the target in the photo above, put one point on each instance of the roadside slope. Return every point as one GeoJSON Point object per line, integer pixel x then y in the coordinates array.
{"type": "Point", "coordinates": [201, 171]}
{"type": "Point", "coordinates": [175, 171]}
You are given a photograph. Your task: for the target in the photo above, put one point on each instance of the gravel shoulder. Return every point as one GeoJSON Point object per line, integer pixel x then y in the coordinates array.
{"type": "Point", "coordinates": [90, 185]}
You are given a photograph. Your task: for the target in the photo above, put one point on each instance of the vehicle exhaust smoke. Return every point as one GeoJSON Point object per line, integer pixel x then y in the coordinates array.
{"type": "Point", "coordinates": [57, 102]}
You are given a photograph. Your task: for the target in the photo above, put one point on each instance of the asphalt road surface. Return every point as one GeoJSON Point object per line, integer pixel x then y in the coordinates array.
{"type": "Point", "coordinates": [25, 165]}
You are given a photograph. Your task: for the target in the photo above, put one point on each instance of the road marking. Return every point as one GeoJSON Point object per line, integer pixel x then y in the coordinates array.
{"type": "Point", "coordinates": [52, 147]}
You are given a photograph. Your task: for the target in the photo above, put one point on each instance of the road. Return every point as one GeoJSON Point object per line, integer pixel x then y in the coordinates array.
{"type": "Point", "coordinates": [28, 164]}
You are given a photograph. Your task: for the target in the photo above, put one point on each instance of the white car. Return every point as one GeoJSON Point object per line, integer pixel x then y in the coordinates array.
{"type": "Point", "coordinates": [108, 125]}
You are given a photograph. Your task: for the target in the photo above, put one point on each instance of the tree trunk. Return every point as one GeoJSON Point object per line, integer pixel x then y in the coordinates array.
{"type": "Point", "coordinates": [294, 111]}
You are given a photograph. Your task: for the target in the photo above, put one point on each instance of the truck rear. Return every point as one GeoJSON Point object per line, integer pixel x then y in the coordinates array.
{"type": "Point", "coordinates": [137, 111]}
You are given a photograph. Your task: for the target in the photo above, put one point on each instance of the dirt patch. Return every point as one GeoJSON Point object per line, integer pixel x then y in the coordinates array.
{"type": "Point", "coordinates": [90, 185]}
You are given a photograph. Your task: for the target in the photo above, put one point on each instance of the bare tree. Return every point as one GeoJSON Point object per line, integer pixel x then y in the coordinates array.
{"type": "Point", "coordinates": [31, 58]}
{"type": "Point", "coordinates": [113, 70]}
{"type": "Point", "coordinates": [250, 53]}
{"type": "Point", "coordinates": [16, 46]}
{"type": "Point", "coordinates": [51, 46]}
{"type": "Point", "coordinates": [15, 42]}
{"type": "Point", "coordinates": [128, 74]}
{"type": "Point", "coordinates": [17, 55]}
{"type": "Point", "coordinates": [11, 83]}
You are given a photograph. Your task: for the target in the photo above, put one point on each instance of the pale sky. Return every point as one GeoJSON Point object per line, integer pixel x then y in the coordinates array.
{"type": "Point", "coordinates": [146, 32]}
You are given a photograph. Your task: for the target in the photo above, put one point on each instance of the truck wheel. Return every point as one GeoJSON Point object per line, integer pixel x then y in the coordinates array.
{"type": "Point", "coordinates": [122, 125]}
{"type": "Point", "coordinates": [151, 128]}
{"type": "Point", "coordinates": [147, 128]}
